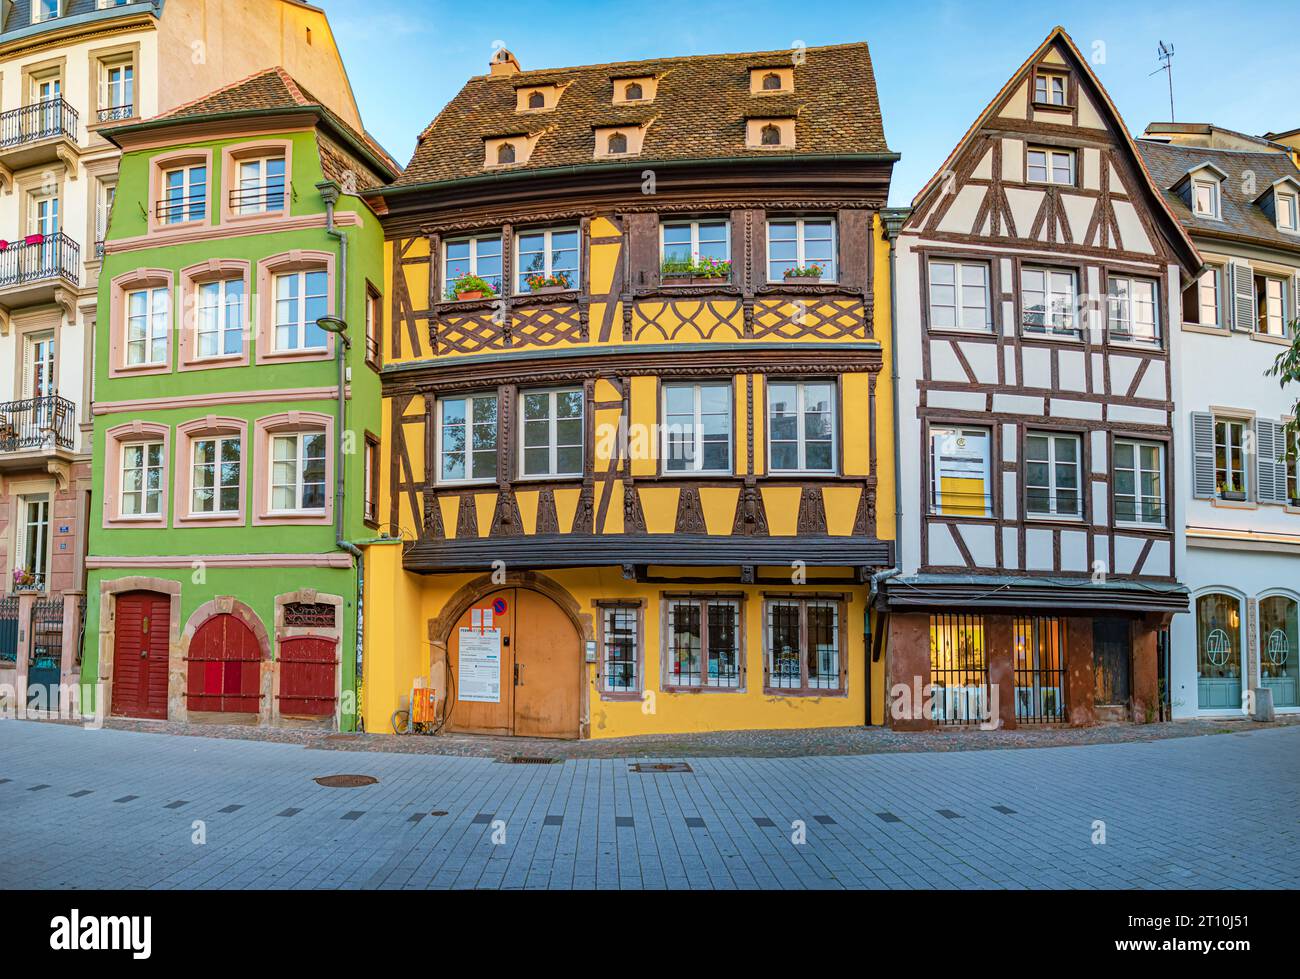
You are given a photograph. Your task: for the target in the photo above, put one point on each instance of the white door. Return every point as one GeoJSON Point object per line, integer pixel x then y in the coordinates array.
{"type": "Point", "coordinates": [47, 95]}
{"type": "Point", "coordinates": [38, 373]}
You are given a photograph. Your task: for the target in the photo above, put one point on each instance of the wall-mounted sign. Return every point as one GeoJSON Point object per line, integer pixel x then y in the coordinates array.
{"type": "Point", "coordinates": [499, 606]}
{"type": "Point", "coordinates": [479, 667]}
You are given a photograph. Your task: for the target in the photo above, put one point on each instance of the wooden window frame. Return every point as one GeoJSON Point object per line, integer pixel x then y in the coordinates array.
{"type": "Point", "coordinates": [1138, 496]}
{"type": "Point", "coordinates": [1052, 151]}
{"type": "Point", "coordinates": [801, 441]}
{"type": "Point", "coordinates": [696, 387]}
{"type": "Point", "coordinates": [552, 443]}
{"type": "Point", "coordinates": [1158, 339]}
{"type": "Point", "coordinates": [370, 481]}
{"type": "Point", "coordinates": [1081, 483]}
{"type": "Point", "coordinates": [374, 327]}
{"type": "Point", "coordinates": [959, 265]}
{"type": "Point", "coordinates": [603, 607]}
{"type": "Point", "coordinates": [1049, 74]}
{"type": "Point", "coordinates": [469, 479]}
{"type": "Point", "coordinates": [519, 273]}
{"type": "Point", "coordinates": [934, 496]}
{"type": "Point", "coordinates": [1048, 329]}
{"type": "Point", "coordinates": [801, 259]}
{"type": "Point", "coordinates": [803, 601]}
{"type": "Point", "coordinates": [472, 261]}
{"type": "Point", "coordinates": [1242, 457]}
{"type": "Point", "coordinates": [702, 600]}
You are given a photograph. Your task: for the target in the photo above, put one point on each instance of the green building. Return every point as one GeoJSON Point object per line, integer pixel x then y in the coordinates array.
{"type": "Point", "coordinates": [236, 409]}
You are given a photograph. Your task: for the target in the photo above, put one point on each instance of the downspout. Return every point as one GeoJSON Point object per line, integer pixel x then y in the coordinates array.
{"type": "Point", "coordinates": [330, 193]}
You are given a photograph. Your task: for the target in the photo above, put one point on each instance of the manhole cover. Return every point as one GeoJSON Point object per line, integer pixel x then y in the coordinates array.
{"type": "Point", "coordinates": [654, 769]}
{"type": "Point", "coordinates": [438, 812]}
{"type": "Point", "coordinates": [345, 781]}
{"type": "Point", "coordinates": [531, 760]}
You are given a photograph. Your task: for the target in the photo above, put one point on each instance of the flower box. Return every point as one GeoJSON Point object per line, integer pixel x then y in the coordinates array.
{"type": "Point", "coordinates": [471, 294]}
{"type": "Point", "coordinates": [793, 277]}
{"type": "Point", "coordinates": [687, 279]}
{"type": "Point", "coordinates": [1234, 496]}
{"type": "Point", "coordinates": [548, 290]}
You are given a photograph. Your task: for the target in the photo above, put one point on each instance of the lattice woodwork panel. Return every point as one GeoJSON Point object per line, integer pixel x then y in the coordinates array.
{"type": "Point", "coordinates": [689, 320]}
{"type": "Point", "coordinates": [545, 326]}
{"type": "Point", "coordinates": [467, 334]}
{"type": "Point", "coordinates": [797, 319]}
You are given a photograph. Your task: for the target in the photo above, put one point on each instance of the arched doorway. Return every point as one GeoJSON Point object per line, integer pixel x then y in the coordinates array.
{"type": "Point", "coordinates": [1279, 642]}
{"type": "Point", "coordinates": [141, 644]}
{"type": "Point", "coordinates": [224, 668]}
{"type": "Point", "coordinates": [1218, 652]}
{"type": "Point", "coordinates": [515, 667]}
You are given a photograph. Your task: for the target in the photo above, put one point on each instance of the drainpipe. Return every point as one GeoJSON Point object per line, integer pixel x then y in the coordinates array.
{"type": "Point", "coordinates": [330, 193]}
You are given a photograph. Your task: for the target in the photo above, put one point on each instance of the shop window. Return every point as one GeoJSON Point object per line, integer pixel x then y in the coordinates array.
{"type": "Point", "coordinates": [1218, 652]}
{"type": "Point", "coordinates": [805, 651]}
{"type": "Point", "coordinates": [703, 643]}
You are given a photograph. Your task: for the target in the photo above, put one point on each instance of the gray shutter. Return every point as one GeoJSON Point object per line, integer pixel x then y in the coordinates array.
{"type": "Point", "coordinates": [1243, 297]}
{"type": "Point", "coordinates": [1270, 461]}
{"type": "Point", "coordinates": [1295, 303]}
{"type": "Point", "coordinates": [1202, 455]}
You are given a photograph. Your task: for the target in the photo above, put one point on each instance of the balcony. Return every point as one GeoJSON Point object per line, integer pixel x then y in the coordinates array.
{"type": "Point", "coordinates": [37, 426]}
{"type": "Point", "coordinates": [38, 134]}
{"type": "Point", "coordinates": [35, 269]}
{"type": "Point", "coordinates": [116, 113]}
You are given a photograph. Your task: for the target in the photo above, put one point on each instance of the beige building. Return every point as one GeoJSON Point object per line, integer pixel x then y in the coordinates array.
{"type": "Point", "coordinates": [69, 69]}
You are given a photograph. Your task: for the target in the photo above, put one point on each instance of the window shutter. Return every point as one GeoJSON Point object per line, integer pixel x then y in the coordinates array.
{"type": "Point", "coordinates": [1270, 464]}
{"type": "Point", "coordinates": [1295, 303]}
{"type": "Point", "coordinates": [1243, 297]}
{"type": "Point", "coordinates": [642, 250]}
{"type": "Point", "coordinates": [20, 538]}
{"type": "Point", "coordinates": [27, 389]}
{"type": "Point", "coordinates": [1202, 455]}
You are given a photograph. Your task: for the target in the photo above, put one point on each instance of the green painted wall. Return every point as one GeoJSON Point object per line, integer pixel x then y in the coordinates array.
{"type": "Point", "coordinates": [255, 587]}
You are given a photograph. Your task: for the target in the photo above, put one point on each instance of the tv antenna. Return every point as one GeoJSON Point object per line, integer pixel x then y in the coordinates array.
{"type": "Point", "coordinates": [1165, 53]}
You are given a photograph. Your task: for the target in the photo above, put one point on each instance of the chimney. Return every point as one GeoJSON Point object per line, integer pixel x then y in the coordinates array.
{"type": "Point", "coordinates": [503, 64]}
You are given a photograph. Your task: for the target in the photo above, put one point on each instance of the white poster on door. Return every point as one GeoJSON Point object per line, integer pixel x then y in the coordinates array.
{"type": "Point", "coordinates": [479, 675]}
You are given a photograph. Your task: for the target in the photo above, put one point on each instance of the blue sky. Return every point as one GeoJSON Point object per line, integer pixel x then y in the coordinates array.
{"type": "Point", "coordinates": [937, 64]}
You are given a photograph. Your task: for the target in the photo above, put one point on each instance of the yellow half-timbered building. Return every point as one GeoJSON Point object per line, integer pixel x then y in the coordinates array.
{"type": "Point", "coordinates": [636, 467]}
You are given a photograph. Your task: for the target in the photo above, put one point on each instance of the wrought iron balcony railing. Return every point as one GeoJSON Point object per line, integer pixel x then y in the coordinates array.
{"type": "Point", "coordinates": [113, 113]}
{"type": "Point", "coordinates": [40, 120]}
{"type": "Point", "coordinates": [39, 257]}
{"type": "Point", "coordinates": [258, 198]}
{"type": "Point", "coordinates": [179, 209]}
{"type": "Point", "coordinates": [36, 423]}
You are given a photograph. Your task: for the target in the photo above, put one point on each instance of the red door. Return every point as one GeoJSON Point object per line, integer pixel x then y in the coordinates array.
{"type": "Point", "coordinates": [140, 647]}
{"type": "Point", "coordinates": [307, 676]}
{"type": "Point", "coordinates": [224, 668]}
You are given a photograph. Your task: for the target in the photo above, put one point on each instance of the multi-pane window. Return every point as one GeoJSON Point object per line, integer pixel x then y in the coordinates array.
{"type": "Point", "coordinates": [703, 637]}
{"type": "Point", "coordinates": [1230, 470]}
{"type": "Point", "coordinates": [548, 254]}
{"type": "Point", "coordinates": [803, 644]}
{"type": "Point", "coordinates": [301, 298]}
{"type": "Point", "coordinates": [1205, 198]}
{"type": "Point", "coordinates": [801, 426]}
{"type": "Point", "coordinates": [1048, 166]}
{"type": "Point", "coordinates": [1286, 212]}
{"type": "Point", "coordinates": [1201, 299]}
{"type": "Point", "coordinates": [959, 296]}
{"type": "Point", "coordinates": [370, 497]}
{"type": "Point", "coordinates": [959, 670]}
{"type": "Point", "coordinates": [1270, 299]}
{"type": "Point", "coordinates": [1139, 482]}
{"type": "Point", "coordinates": [185, 195]}
{"type": "Point", "coordinates": [960, 483]}
{"type": "Point", "coordinates": [34, 535]}
{"type": "Point", "coordinates": [799, 243]}
{"type": "Point", "coordinates": [1049, 88]}
{"type": "Point", "coordinates": [148, 314]}
{"type": "Point", "coordinates": [1049, 300]}
{"type": "Point", "coordinates": [215, 477]}
{"type": "Point", "coordinates": [43, 10]}
{"type": "Point", "coordinates": [697, 428]}
{"type": "Point", "coordinates": [374, 321]}
{"type": "Point", "coordinates": [480, 256]}
{"type": "Point", "coordinates": [693, 241]}
{"type": "Point", "coordinates": [1053, 469]}
{"type": "Point", "coordinates": [467, 437]}
{"type": "Point", "coordinates": [261, 186]}
{"type": "Point", "coordinates": [117, 94]}
{"type": "Point", "coordinates": [1133, 310]}
{"type": "Point", "coordinates": [298, 472]}
{"type": "Point", "coordinates": [553, 429]}
{"type": "Point", "coordinates": [220, 328]}
{"type": "Point", "coordinates": [142, 479]}
{"type": "Point", "coordinates": [1293, 472]}
{"type": "Point", "coordinates": [621, 652]}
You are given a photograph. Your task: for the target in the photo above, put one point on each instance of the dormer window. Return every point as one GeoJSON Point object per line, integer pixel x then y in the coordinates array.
{"type": "Point", "coordinates": [538, 98]}
{"type": "Point", "coordinates": [771, 82]}
{"type": "Point", "coordinates": [505, 153]}
{"type": "Point", "coordinates": [1050, 88]}
{"type": "Point", "coordinates": [617, 144]}
{"type": "Point", "coordinates": [1287, 217]}
{"type": "Point", "coordinates": [770, 135]}
{"type": "Point", "coordinates": [618, 141]}
{"type": "Point", "coordinates": [633, 92]}
{"type": "Point", "coordinates": [537, 101]}
{"type": "Point", "coordinates": [43, 10]}
{"type": "Point", "coordinates": [1205, 198]}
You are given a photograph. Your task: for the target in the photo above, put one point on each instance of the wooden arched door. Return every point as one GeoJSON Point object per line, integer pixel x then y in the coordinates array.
{"type": "Point", "coordinates": [141, 643]}
{"type": "Point", "coordinates": [224, 668]}
{"type": "Point", "coordinates": [515, 667]}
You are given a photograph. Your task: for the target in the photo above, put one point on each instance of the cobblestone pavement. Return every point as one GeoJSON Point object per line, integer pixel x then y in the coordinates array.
{"type": "Point", "coordinates": [731, 744]}
{"type": "Point", "coordinates": [110, 808]}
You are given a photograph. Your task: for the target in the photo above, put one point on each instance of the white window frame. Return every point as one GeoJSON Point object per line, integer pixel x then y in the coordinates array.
{"type": "Point", "coordinates": [959, 286]}
{"type": "Point", "coordinates": [300, 470]}
{"type": "Point", "coordinates": [299, 323]}
{"type": "Point", "coordinates": [552, 440]}
{"type": "Point", "coordinates": [1050, 327]}
{"type": "Point", "coordinates": [694, 225]}
{"type": "Point", "coordinates": [1212, 186]}
{"type": "Point", "coordinates": [217, 485]}
{"type": "Point", "coordinates": [260, 206]}
{"type": "Point", "coordinates": [831, 272]}
{"type": "Point", "coordinates": [1235, 457]}
{"type": "Point", "coordinates": [473, 241]}
{"type": "Point", "coordinates": [157, 326]}
{"type": "Point", "coordinates": [144, 445]}
{"type": "Point", "coordinates": [1291, 208]}
{"type": "Point", "coordinates": [35, 535]}
{"type": "Point", "coordinates": [1126, 302]}
{"type": "Point", "coordinates": [935, 494]}
{"type": "Point", "coordinates": [801, 409]}
{"type": "Point", "coordinates": [1050, 156]}
{"type": "Point", "coordinates": [1265, 311]}
{"type": "Point", "coordinates": [470, 476]}
{"type": "Point", "coordinates": [187, 206]}
{"type": "Point", "coordinates": [223, 325]}
{"type": "Point", "coordinates": [695, 464]}
{"type": "Point", "coordinates": [707, 652]}
{"type": "Point", "coordinates": [1047, 78]}
{"type": "Point", "coordinates": [39, 16]}
{"type": "Point", "coordinates": [520, 273]}
{"type": "Point", "coordinates": [1139, 471]}
{"type": "Point", "coordinates": [1052, 487]}
{"type": "Point", "coordinates": [1216, 275]}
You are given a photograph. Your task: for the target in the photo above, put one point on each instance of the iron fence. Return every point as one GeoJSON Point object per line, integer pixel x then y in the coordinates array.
{"type": "Point", "coordinates": [959, 669]}
{"type": "Point", "coordinates": [36, 423]}
{"type": "Point", "coordinates": [8, 629]}
{"type": "Point", "coordinates": [40, 256]}
{"type": "Point", "coordinates": [46, 649]}
{"type": "Point", "coordinates": [40, 120]}
{"type": "Point", "coordinates": [1039, 667]}
{"type": "Point", "coordinates": [113, 113]}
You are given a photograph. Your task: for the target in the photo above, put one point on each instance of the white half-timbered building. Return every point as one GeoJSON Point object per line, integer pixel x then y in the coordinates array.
{"type": "Point", "coordinates": [1038, 276]}
{"type": "Point", "coordinates": [1239, 198]}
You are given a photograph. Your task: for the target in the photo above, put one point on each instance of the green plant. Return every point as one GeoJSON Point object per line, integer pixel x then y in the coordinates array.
{"type": "Point", "coordinates": [813, 271]}
{"type": "Point", "coordinates": [559, 279]}
{"type": "Point", "coordinates": [470, 283]}
{"type": "Point", "coordinates": [1287, 369]}
{"type": "Point", "coordinates": [704, 268]}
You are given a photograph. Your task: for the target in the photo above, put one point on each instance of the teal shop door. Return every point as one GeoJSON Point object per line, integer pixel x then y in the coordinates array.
{"type": "Point", "coordinates": [1218, 652]}
{"type": "Point", "coordinates": [45, 656]}
{"type": "Point", "coordinates": [1279, 663]}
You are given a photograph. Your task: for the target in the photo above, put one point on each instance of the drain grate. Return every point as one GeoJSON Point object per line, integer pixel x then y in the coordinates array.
{"type": "Point", "coordinates": [663, 766]}
{"type": "Point", "coordinates": [531, 760]}
{"type": "Point", "coordinates": [345, 781]}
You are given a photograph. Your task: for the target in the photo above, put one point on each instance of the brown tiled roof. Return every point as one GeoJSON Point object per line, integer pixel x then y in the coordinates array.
{"type": "Point", "coordinates": [698, 113]}
{"type": "Point", "coordinates": [1168, 163]}
{"type": "Point", "coordinates": [270, 90]}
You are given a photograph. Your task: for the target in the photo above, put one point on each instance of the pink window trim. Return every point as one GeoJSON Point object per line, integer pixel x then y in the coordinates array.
{"type": "Point", "coordinates": [297, 260]}
{"type": "Point", "coordinates": [115, 439]}
{"type": "Point", "coordinates": [289, 423]}
{"type": "Point", "coordinates": [173, 161]}
{"type": "Point", "coordinates": [212, 426]}
{"type": "Point", "coordinates": [120, 286]}
{"type": "Point", "coordinates": [214, 270]}
{"type": "Point", "coordinates": [232, 156]}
